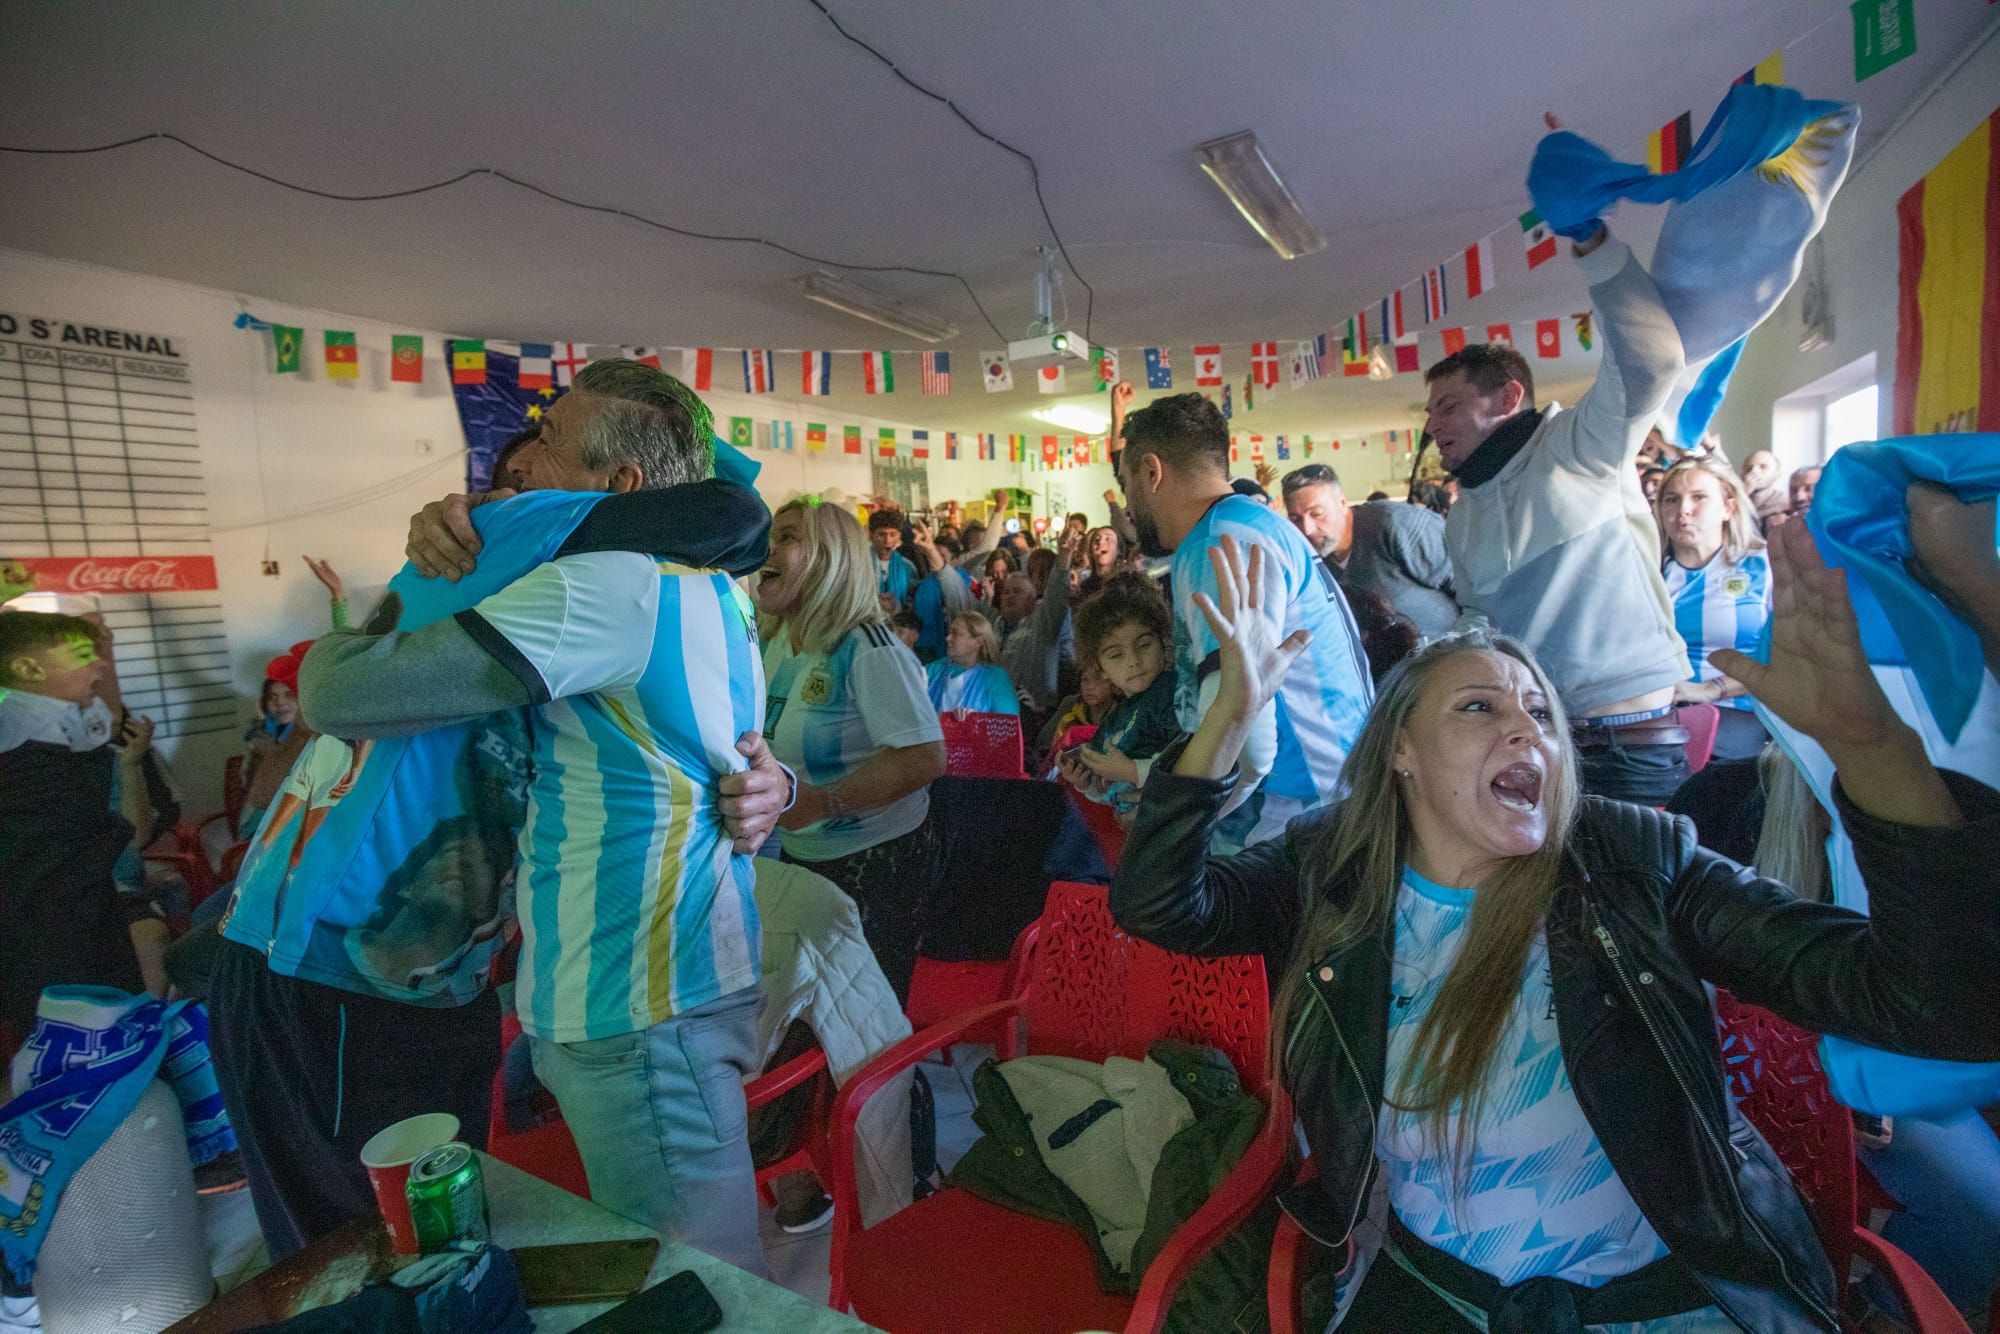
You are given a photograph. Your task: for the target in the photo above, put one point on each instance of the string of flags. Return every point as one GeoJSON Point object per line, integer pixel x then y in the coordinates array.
{"type": "Point", "coordinates": [544, 369]}
{"type": "Point", "coordinates": [1379, 344]}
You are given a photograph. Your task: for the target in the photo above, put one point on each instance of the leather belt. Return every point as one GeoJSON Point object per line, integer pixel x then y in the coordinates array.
{"type": "Point", "coordinates": [1663, 732]}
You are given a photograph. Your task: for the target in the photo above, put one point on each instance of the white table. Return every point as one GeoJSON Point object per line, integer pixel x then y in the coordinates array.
{"type": "Point", "coordinates": [527, 1211]}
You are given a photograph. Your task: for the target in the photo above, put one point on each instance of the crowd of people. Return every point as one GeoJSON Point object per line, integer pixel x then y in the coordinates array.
{"type": "Point", "coordinates": [1410, 751]}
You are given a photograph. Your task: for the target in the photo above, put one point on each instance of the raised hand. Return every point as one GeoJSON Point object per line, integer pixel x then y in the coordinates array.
{"type": "Point", "coordinates": [1254, 661]}
{"type": "Point", "coordinates": [326, 574]}
{"type": "Point", "coordinates": [1818, 679]}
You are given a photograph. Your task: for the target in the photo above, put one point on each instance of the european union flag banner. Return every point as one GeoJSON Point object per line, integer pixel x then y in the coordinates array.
{"type": "Point", "coordinates": [500, 407]}
{"type": "Point", "coordinates": [494, 412]}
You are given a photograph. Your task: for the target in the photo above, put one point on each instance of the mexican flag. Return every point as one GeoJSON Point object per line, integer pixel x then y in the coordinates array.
{"type": "Point", "coordinates": [1537, 239]}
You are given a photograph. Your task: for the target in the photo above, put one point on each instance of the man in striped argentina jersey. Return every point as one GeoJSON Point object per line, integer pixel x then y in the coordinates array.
{"type": "Point", "coordinates": [638, 982]}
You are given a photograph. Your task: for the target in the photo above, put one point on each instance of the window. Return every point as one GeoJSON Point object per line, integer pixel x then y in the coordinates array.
{"type": "Point", "coordinates": [1810, 423]}
{"type": "Point", "coordinates": [1849, 418]}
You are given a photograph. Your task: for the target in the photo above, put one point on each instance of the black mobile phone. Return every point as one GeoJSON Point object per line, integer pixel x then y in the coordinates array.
{"type": "Point", "coordinates": [678, 1305]}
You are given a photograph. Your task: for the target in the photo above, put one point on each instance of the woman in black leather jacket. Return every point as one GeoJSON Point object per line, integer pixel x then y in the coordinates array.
{"type": "Point", "coordinates": [1490, 989]}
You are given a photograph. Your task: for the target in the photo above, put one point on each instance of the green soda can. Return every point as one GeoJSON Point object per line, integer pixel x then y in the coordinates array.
{"type": "Point", "coordinates": [447, 1198]}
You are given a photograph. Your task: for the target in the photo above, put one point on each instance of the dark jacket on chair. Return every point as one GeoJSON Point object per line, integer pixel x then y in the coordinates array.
{"type": "Point", "coordinates": [1641, 918]}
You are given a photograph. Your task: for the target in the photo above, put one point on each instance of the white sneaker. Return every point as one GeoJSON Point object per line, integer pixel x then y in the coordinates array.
{"type": "Point", "coordinates": [20, 1315]}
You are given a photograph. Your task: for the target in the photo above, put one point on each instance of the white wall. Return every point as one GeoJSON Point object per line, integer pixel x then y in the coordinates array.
{"type": "Point", "coordinates": [1861, 261]}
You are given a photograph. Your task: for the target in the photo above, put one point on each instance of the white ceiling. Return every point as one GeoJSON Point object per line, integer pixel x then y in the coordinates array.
{"type": "Point", "coordinates": [1404, 129]}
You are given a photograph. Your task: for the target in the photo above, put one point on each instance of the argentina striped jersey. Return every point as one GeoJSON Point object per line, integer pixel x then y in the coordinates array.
{"type": "Point", "coordinates": [633, 905]}
{"type": "Point", "coordinates": [1720, 605]}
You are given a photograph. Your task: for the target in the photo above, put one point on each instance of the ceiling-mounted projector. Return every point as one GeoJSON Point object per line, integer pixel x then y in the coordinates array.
{"type": "Point", "coordinates": [1048, 350]}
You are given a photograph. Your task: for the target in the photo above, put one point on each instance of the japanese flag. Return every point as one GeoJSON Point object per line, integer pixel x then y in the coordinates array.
{"type": "Point", "coordinates": [1050, 379]}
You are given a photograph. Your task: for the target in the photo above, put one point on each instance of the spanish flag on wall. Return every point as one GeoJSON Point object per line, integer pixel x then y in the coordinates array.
{"type": "Point", "coordinates": [1948, 309]}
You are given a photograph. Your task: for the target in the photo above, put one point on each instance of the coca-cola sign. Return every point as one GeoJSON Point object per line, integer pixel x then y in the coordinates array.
{"type": "Point", "coordinates": [121, 574]}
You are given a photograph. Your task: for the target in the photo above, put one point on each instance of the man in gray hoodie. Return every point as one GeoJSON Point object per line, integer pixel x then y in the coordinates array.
{"type": "Point", "coordinates": [1551, 540]}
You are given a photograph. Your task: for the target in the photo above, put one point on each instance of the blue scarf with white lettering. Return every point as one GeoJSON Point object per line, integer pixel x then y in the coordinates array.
{"type": "Point", "coordinates": [92, 1054]}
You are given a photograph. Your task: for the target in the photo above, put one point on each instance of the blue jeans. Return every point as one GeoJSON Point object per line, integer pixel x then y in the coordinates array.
{"type": "Point", "coordinates": [1946, 1174]}
{"type": "Point", "coordinates": [660, 1123]}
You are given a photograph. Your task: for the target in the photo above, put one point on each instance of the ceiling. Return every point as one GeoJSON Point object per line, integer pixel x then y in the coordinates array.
{"type": "Point", "coordinates": [1404, 130]}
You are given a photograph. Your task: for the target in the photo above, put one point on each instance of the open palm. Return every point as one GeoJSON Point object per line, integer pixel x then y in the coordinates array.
{"type": "Point", "coordinates": [1818, 679]}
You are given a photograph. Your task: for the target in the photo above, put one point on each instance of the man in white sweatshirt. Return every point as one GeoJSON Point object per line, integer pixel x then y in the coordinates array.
{"type": "Point", "coordinates": [1551, 540]}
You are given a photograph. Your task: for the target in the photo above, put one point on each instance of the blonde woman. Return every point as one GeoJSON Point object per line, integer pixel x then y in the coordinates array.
{"type": "Point", "coordinates": [848, 712]}
{"type": "Point", "coordinates": [1720, 581]}
{"type": "Point", "coordinates": [1490, 988]}
{"type": "Point", "coordinates": [969, 677]}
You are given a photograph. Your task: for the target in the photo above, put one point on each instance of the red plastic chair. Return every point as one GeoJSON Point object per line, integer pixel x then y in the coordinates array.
{"type": "Point", "coordinates": [982, 745]}
{"type": "Point", "coordinates": [1775, 1077]}
{"type": "Point", "coordinates": [1102, 821]}
{"type": "Point", "coordinates": [954, 1261]}
{"type": "Point", "coordinates": [940, 989]}
{"type": "Point", "coordinates": [1701, 722]}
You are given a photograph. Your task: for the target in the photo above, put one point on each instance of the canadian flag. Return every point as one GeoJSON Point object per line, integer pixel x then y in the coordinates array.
{"type": "Point", "coordinates": [1208, 365]}
{"type": "Point", "coordinates": [1548, 338]}
{"type": "Point", "coordinates": [1264, 364]}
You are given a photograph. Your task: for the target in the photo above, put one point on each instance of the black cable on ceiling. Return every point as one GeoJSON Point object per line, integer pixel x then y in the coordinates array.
{"type": "Point", "coordinates": [1034, 172]}
{"type": "Point", "coordinates": [520, 184]}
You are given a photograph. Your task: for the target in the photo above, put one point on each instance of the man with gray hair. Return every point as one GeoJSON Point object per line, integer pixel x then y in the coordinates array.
{"type": "Point", "coordinates": [1392, 549]}
{"type": "Point", "coordinates": [638, 979]}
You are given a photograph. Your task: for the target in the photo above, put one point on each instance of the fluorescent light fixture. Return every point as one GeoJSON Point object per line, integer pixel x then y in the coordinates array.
{"type": "Point", "coordinates": [1075, 417]}
{"type": "Point", "coordinates": [850, 298]}
{"type": "Point", "coordinates": [1237, 164]}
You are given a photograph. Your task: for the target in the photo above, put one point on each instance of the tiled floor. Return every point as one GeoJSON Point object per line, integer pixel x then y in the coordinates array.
{"type": "Point", "coordinates": [797, 1262]}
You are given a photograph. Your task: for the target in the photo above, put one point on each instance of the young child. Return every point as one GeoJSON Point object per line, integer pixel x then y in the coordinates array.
{"type": "Point", "coordinates": [60, 838]}
{"type": "Point", "coordinates": [1126, 631]}
{"type": "Point", "coordinates": [1086, 708]}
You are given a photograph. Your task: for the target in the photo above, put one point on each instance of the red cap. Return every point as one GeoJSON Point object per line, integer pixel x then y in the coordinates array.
{"type": "Point", "coordinates": [284, 668]}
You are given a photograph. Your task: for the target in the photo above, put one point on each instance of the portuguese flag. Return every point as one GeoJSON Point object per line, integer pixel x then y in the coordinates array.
{"type": "Point", "coordinates": [343, 358]}
{"type": "Point", "coordinates": [468, 361]}
{"type": "Point", "coordinates": [406, 358]}
{"type": "Point", "coordinates": [1948, 292]}
{"type": "Point", "coordinates": [850, 439]}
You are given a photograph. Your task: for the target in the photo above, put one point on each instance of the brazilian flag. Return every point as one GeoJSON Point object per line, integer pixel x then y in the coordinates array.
{"type": "Point", "coordinates": [288, 343]}
{"type": "Point", "coordinates": [740, 432]}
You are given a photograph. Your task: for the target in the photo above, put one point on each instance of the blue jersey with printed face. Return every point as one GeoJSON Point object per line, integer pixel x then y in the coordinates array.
{"type": "Point", "coordinates": [1326, 696]}
{"type": "Point", "coordinates": [387, 867]}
